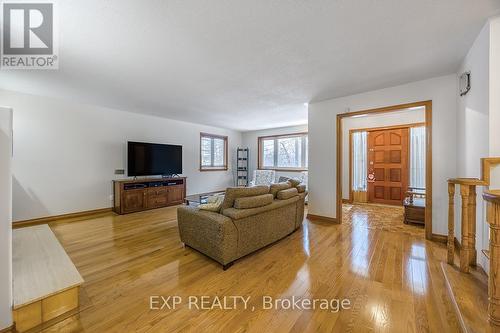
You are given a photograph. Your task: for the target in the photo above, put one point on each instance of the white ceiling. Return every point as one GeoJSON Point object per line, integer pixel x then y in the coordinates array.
{"type": "Point", "coordinates": [248, 64]}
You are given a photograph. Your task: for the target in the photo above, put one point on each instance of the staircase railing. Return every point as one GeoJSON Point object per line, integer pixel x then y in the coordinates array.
{"type": "Point", "coordinates": [468, 253]}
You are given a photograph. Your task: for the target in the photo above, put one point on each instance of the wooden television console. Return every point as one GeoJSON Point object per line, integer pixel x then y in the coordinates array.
{"type": "Point", "coordinates": [142, 194]}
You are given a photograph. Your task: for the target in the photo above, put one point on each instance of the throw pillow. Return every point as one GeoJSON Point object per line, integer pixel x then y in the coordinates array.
{"type": "Point", "coordinates": [283, 179]}
{"type": "Point", "coordinates": [301, 188]}
{"type": "Point", "coordinates": [214, 203]}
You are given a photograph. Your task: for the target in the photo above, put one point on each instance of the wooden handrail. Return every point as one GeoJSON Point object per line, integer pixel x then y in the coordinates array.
{"type": "Point", "coordinates": [467, 181]}
{"type": "Point", "coordinates": [486, 164]}
{"type": "Point", "coordinates": [492, 196]}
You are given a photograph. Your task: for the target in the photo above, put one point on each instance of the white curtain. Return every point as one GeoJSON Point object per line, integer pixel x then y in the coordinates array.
{"type": "Point", "coordinates": [417, 157]}
{"type": "Point", "coordinates": [359, 161]}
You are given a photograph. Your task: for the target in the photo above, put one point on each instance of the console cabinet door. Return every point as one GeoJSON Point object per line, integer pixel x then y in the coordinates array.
{"type": "Point", "coordinates": [133, 200]}
{"type": "Point", "coordinates": [175, 194]}
{"type": "Point", "coordinates": [157, 197]}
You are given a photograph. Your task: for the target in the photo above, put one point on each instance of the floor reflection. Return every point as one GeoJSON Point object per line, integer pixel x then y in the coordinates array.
{"type": "Point", "coordinates": [305, 239]}
{"type": "Point", "coordinates": [360, 243]}
{"type": "Point", "coordinates": [417, 265]}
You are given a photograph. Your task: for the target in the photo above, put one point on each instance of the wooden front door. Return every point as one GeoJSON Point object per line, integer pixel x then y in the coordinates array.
{"type": "Point", "coordinates": [388, 165]}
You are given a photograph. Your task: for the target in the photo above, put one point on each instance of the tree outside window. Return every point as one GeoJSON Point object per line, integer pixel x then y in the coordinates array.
{"type": "Point", "coordinates": [283, 152]}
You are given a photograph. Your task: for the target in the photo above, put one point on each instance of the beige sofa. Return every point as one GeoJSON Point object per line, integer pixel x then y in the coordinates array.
{"type": "Point", "coordinates": [249, 219]}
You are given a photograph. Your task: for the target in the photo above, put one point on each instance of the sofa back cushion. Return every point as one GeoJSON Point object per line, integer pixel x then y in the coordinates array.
{"type": "Point", "coordinates": [241, 192]}
{"type": "Point", "coordinates": [287, 194]}
{"type": "Point", "coordinates": [275, 188]}
{"type": "Point", "coordinates": [253, 202]}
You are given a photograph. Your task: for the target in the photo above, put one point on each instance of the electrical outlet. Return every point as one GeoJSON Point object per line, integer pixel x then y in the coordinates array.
{"type": "Point", "coordinates": [111, 197]}
{"type": "Point", "coordinates": [119, 171]}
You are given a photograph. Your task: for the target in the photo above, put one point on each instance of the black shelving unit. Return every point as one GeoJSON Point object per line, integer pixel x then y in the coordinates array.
{"type": "Point", "coordinates": [242, 167]}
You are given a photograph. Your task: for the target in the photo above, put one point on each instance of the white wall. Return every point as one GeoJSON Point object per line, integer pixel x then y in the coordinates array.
{"type": "Point", "coordinates": [473, 131]}
{"type": "Point", "coordinates": [5, 218]}
{"type": "Point", "coordinates": [371, 121]}
{"type": "Point", "coordinates": [249, 139]}
{"type": "Point", "coordinates": [322, 140]}
{"type": "Point", "coordinates": [494, 97]}
{"type": "Point", "coordinates": [66, 153]}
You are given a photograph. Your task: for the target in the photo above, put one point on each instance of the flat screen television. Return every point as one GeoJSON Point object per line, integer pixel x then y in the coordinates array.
{"type": "Point", "coordinates": [151, 159]}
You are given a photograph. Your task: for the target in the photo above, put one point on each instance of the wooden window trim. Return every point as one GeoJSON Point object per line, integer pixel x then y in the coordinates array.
{"type": "Point", "coordinates": [214, 136]}
{"type": "Point", "coordinates": [267, 137]}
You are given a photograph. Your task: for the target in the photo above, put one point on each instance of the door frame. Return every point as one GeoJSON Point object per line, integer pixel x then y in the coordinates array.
{"type": "Point", "coordinates": [369, 129]}
{"type": "Point", "coordinates": [428, 155]}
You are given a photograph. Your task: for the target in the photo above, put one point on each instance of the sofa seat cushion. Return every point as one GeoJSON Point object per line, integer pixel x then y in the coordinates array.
{"type": "Point", "coordinates": [275, 188]}
{"type": "Point", "coordinates": [287, 194]}
{"type": "Point", "coordinates": [240, 192]}
{"type": "Point", "coordinates": [237, 214]}
{"type": "Point", "coordinates": [253, 202]}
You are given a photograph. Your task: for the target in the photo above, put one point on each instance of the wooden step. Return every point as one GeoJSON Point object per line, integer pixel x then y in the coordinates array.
{"type": "Point", "coordinates": [469, 295]}
{"type": "Point", "coordinates": [45, 280]}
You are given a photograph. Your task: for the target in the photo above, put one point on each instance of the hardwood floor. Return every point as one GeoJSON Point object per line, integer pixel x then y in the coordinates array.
{"type": "Point", "coordinates": [387, 270]}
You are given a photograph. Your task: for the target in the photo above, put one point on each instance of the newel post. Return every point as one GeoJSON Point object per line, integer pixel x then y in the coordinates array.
{"type": "Point", "coordinates": [493, 218]}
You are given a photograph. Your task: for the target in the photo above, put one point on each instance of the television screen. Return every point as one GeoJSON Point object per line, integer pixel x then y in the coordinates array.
{"type": "Point", "coordinates": [148, 159]}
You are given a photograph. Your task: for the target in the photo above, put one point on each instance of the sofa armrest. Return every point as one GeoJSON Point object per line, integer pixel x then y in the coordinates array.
{"type": "Point", "coordinates": [208, 232]}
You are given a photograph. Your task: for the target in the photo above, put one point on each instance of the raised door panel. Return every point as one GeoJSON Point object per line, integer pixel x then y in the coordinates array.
{"type": "Point", "coordinates": [380, 174]}
{"type": "Point", "coordinates": [157, 197]}
{"type": "Point", "coordinates": [379, 156]}
{"type": "Point", "coordinates": [175, 194]}
{"type": "Point", "coordinates": [395, 156]}
{"type": "Point", "coordinates": [395, 175]}
{"type": "Point", "coordinates": [379, 192]}
{"type": "Point", "coordinates": [133, 200]}
{"type": "Point", "coordinates": [379, 139]}
{"type": "Point", "coordinates": [395, 193]}
{"type": "Point", "coordinates": [395, 138]}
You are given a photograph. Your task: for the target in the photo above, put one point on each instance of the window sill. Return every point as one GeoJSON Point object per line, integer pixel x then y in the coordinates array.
{"type": "Point", "coordinates": [284, 169]}
{"type": "Point", "coordinates": [213, 169]}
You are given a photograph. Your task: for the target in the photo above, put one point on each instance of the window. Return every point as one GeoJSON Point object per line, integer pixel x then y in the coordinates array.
{"type": "Point", "coordinates": [213, 152]}
{"type": "Point", "coordinates": [417, 157]}
{"type": "Point", "coordinates": [283, 152]}
{"type": "Point", "coordinates": [359, 165]}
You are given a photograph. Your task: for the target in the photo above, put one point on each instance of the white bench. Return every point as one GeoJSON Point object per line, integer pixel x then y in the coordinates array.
{"type": "Point", "coordinates": [46, 283]}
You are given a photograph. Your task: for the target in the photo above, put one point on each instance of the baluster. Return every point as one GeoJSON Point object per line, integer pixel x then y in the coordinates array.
{"type": "Point", "coordinates": [451, 223]}
{"type": "Point", "coordinates": [465, 248]}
